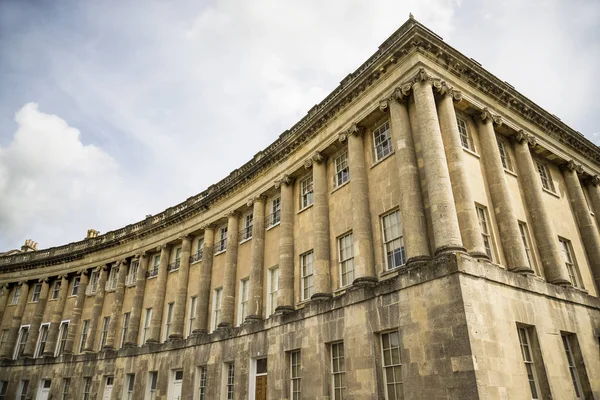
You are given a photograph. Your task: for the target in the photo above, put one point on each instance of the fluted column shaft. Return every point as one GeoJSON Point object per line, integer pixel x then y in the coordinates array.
{"type": "Point", "coordinates": [36, 321]}
{"type": "Point", "coordinates": [57, 313]}
{"type": "Point", "coordinates": [470, 231]}
{"type": "Point", "coordinates": [255, 300]}
{"type": "Point", "coordinates": [160, 290]}
{"type": "Point", "coordinates": [321, 268]}
{"type": "Point", "coordinates": [506, 216]}
{"type": "Point", "coordinates": [117, 306]}
{"type": "Point", "coordinates": [230, 272]}
{"type": "Point", "coordinates": [412, 212]}
{"type": "Point", "coordinates": [138, 302]}
{"type": "Point", "coordinates": [96, 310]}
{"type": "Point", "coordinates": [285, 297]}
{"type": "Point", "coordinates": [446, 232]}
{"type": "Point", "coordinates": [15, 324]}
{"type": "Point", "coordinates": [541, 223]}
{"type": "Point", "coordinates": [202, 312]}
{"type": "Point", "coordinates": [76, 313]}
{"type": "Point", "coordinates": [3, 300]}
{"type": "Point", "coordinates": [589, 233]}
{"type": "Point", "coordinates": [182, 287]}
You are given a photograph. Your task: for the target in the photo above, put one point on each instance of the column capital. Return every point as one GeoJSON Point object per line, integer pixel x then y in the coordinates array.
{"type": "Point", "coordinates": [317, 157]}
{"type": "Point", "coordinates": [522, 136]}
{"type": "Point", "coordinates": [422, 76]}
{"type": "Point", "coordinates": [232, 214]}
{"type": "Point", "coordinates": [209, 225]}
{"type": "Point", "coordinates": [486, 115]}
{"type": "Point", "coordinates": [44, 280]}
{"type": "Point", "coordinates": [124, 261]}
{"type": "Point", "coordinates": [187, 236]}
{"type": "Point", "coordinates": [572, 166]}
{"type": "Point", "coordinates": [164, 246]}
{"type": "Point", "coordinates": [444, 89]}
{"type": "Point", "coordinates": [82, 272]}
{"type": "Point", "coordinates": [100, 268]}
{"type": "Point", "coordinates": [400, 94]}
{"type": "Point", "coordinates": [252, 200]}
{"type": "Point", "coordinates": [593, 180]}
{"type": "Point", "coordinates": [285, 180]}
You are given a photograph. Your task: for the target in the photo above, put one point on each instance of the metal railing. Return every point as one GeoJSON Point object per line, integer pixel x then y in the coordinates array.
{"type": "Point", "coordinates": [245, 233]}
{"type": "Point", "coordinates": [273, 218]}
{"type": "Point", "coordinates": [197, 257]}
{"type": "Point", "coordinates": [221, 245]}
{"type": "Point", "coordinates": [152, 271]}
{"type": "Point", "coordinates": [174, 265]}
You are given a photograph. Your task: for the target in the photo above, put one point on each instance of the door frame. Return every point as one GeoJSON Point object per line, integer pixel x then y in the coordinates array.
{"type": "Point", "coordinates": [172, 380]}
{"type": "Point", "coordinates": [253, 375]}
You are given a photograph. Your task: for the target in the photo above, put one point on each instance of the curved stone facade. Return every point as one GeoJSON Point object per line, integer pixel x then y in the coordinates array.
{"type": "Point", "coordinates": [408, 238]}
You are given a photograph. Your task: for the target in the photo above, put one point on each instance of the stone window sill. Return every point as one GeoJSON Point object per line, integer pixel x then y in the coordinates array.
{"type": "Point", "coordinates": [471, 152]}
{"type": "Point", "coordinates": [508, 171]}
{"type": "Point", "coordinates": [196, 262]}
{"type": "Point", "coordinates": [341, 186]}
{"type": "Point", "coordinates": [391, 272]}
{"type": "Point", "coordinates": [219, 252]}
{"type": "Point", "coordinates": [341, 290]}
{"type": "Point", "coordinates": [551, 192]}
{"type": "Point", "coordinates": [305, 208]}
{"type": "Point", "coordinates": [246, 240]}
{"type": "Point", "coordinates": [273, 226]}
{"type": "Point", "coordinates": [152, 277]}
{"type": "Point", "coordinates": [376, 163]}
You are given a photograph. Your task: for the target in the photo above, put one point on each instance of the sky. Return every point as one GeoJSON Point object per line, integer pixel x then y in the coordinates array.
{"type": "Point", "coordinates": [112, 110]}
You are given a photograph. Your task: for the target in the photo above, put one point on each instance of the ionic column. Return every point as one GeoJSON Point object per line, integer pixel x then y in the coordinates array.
{"type": "Point", "coordinates": [76, 313]}
{"type": "Point", "coordinates": [182, 287]}
{"type": "Point", "coordinates": [470, 231]}
{"type": "Point", "coordinates": [57, 313]}
{"type": "Point", "coordinates": [255, 300]}
{"type": "Point", "coordinates": [446, 232]}
{"type": "Point", "coordinates": [506, 217]}
{"type": "Point", "coordinates": [321, 277]}
{"type": "Point", "coordinates": [4, 288]}
{"type": "Point", "coordinates": [96, 310]}
{"type": "Point", "coordinates": [230, 271]}
{"type": "Point", "coordinates": [202, 312]}
{"type": "Point", "coordinates": [541, 223]}
{"type": "Point", "coordinates": [15, 324]}
{"type": "Point", "coordinates": [36, 321]}
{"type": "Point", "coordinates": [159, 295]}
{"type": "Point", "coordinates": [412, 212]}
{"type": "Point", "coordinates": [117, 306]}
{"type": "Point", "coordinates": [589, 233]}
{"type": "Point", "coordinates": [138, 301]}
{"type": "Point", "coordinates": [285, 296]}
{"type": "Point", "coordinates": [593, 190]}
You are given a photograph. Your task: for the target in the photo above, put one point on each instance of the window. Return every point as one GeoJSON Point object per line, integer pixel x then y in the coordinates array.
{"type": "Point", "coordinates": [21, 340]}
{"type": "Point", "coordinates": [567, 253]}
{"type": "Point", "coordinates": [504, 156]}
{"type": "Point", "coordinates": [55, 290]}
{"type": "Point", "coordinates": [131, 278]}
{"type": "Point", "coordinates": [198, 255]}
{"type": "Point", "coordinates": [87, 387]}
{"type": "Point", "coordinates": [567, 339]}
{"type": "Point", "coordinates": [155, 265]}
{"type": "Point", "coordinates": [247, 231]}
{"type": "Point", "coordinates": [169, 320]}
{"type": "Point", "coordinates": [128, 389]}
{"type": "Point", "coordinates": [295, 382]}
{"type": "Point", "coordinates": [125, 329]}
{"type": "Point", "coordinates": [75, 289]}
{"type": "Point", "coordinates": [3, 389]}
{"type": "Point", "coordinates": [93, 285]}
{"type": "Point", "coordinates": [526, 242]}
{"type": "Point", "coordinates": [229, 384]}
{"type": "Point", "coordinates": [275, 216]}
{"type": "Point", "coordinates": [16, 295]}
{"type": "Point", "coordinates": [526, 351]}
{"type": "Point", "coordinates": [306, 192]}
{"type": "Point", "coordinates": [306, 266]}
{"type": "Point", "coordinates": [545, 176]}
{"type": "Point", "coordinates": [338, 371]}
{"type": "Point", "coordinates": [217, 297]}
{"type": "Point", "coordinates": [23, 389]}
{"type": "Point", "coordinates": [65, 388]}
{"type": "Point", "coordinates": [3, 337]}
{"type": "Point", "coordinates": [41, 342]}
{"type": "Point", "coordinates": [342, 172]}
{"type": "Point", "coordinates": [104, 333]}
{"type": "Point", "coordinates": [392, 365]}
{"type": "Point", "coordinates": [63, 330]}
{"type": "Point", "coordinates": [193, 310]}
{"type": "Point", "coordinates": [243, 308]}
{"type": "Point", "coordinates": [382, 141]}
{"type": "Point", "coordinates": [202, 384]}
{"type": "Point", "coordinates": [393, 240]}
{"type": "Point", "coordinates": [273, 288]}
{"type": "Point", "coordinates": [346, 254]}
{"type": "Point", "coordinates": [485, 230]}
{"type": "Point", "coordinates": [37, 289]}
{"type": "Point", "coordinates": [222, 242]}
{"type": "Point", "coordinates": [84, 334]}
{"type": "Point", "coordinates": [152, 384]}
{"type": "Point", "coordinates": [465, 137]}
{"type": "Point", "coordinates": [113, 276]}
{"type": "Point", "coordinates": [177, 257]}
{"type": "Point", "coordinates": [147, 320]}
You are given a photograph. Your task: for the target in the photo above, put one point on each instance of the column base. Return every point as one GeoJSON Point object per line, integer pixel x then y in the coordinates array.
{"type": "Point", "coordinates": [250, 319]}
{"type": "Point", "coordinates": [521, 270]}
{"type": "Point", "coordinates": [449, 249]}
{"type": "Point", "coordinates": [365, 281]}
{"type": "Point", "coordinates": [284, 309]}
{"type": "Point", "coordinates": [199, 332]}
{"type": "Point", "coordinates": [321, 296]}
{"type": "Point", "coordinates": [175, 336]}
{"type": "Point", "coordinates": [480, 256]}
{"type": "Point", "coordinates": [28, 356]}
{"type": "Point", "coordinates": [417, 260]}
{"type": "Point", "coordinates": [151, 341]}
{"type": "Point", "coordinates": [108, 348]}
{"type": "Point", "coordinates": [561, 282]}
{"type": "Point", "coordinates": [47, 355]}
{"type": "Point", "coordinates": [224, 325]}
{"type": "Point", "coordinates": [128, 345]}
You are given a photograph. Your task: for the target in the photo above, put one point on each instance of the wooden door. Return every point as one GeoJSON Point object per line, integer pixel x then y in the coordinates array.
{"type": "Point", "coordinates": [261, 388]}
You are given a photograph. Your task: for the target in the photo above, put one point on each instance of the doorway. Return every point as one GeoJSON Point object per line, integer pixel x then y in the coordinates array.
{"type": "Point", "coordinates": [258, 383]}
{"type": "Point", "coordinates": [176, 381]}
{"type": "Point", "coordinates": [44, 390]}
{"type": "Point", "coordinates": [108, 387]}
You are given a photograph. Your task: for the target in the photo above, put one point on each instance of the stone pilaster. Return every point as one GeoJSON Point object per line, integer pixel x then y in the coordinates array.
{"type": "Point", "coordinates": [593, 190]}
{"type": "Point", "coordinates": [589, 233]}
{"type": "Point", "coordinates": [76, 313]}
{"type": "Point", "coordinates": [5, 289]}
{"type": "Point", "coordinates": [321, 267]}
{"type": "Point", "coordinates": [502, 204]}
{"type": "Point", "coordinates": [96, 309]}
{"type": "Point", "coordinates": [182, 287]}
{"type": "Point", "coordinates": [541, 223]}
{"type": "Point", "coordinates": [230, 271]}
{"type": "Point", "coordinates": [36, 321]}
{"type": "Point", "coordinates": [138, 301]}
{"type": "Point", "coordinates": [446, 231]}
{"type": "Point", "coordinates": [470, 231]}
{"type": "Point", "coordinates": [117, 306]}
{"type": "Point", "coordinates": [56, 317]}
{"type": "Point", "coordinates": [414, 224]}
{"type": "Point", "coordinates": [285, 297]}
{"type": "Point", "coordinates": [160, 291]}
{"type": "Point", "coordinates": [255, 299]}
{"type": "Point", "coordinates": [15, 323]}
{"type": "Point", "coordinates": [202, 312]}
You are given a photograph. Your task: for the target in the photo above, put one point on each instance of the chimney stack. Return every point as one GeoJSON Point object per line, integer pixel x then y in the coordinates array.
{"type": "Point", "coordinates": [29, 245]}
{"type": "Point", "coordinates": [92, 233]}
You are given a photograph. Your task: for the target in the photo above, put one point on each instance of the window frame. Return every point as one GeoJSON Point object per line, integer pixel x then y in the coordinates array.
{"type": "Point", "coordinates": [529, 359]}
{"type": "Point", "coordinates": [246, 233]}
{"type": "Point", "coordinates": [16, 296]}
{"type": "Point", "coordinates": [272, 295]}
{"type": "Point", "coordinates": [385, 145]}
{"type": "Point", "coordinates": [61, 339]}
{"type": "Point", "coordinates": [306, 276]}
{"type": "Point", "coordinates": [466, 139]}
{"type": "Point", "coordinates": [202, 380]}
{"type": "Point", "coordinates": [216, 308]}
{"type": "Point", "coordinates": [152, 384]}
{"type": "Point", "coordinates": [125, 327]}
{"type": "Point", "coordinates": [545, 176]}
{"type": "Point", "coordinates": [36, 292]}
{"type": "Point", "coordinates": [87, 387]}
{"type": "Point", "coordinates": [341, 169]}
{"type": "Point", "coordinates": [192, 314]}
{"type": "Point", "coordinates": [104, 331]}
{"type": "Point", "coordinates": [229, 380]}
{"type": "Point", "coordinates": [75, 287]}
{"type": "Point", "coordinates": [66, 383]}
{"type": "Point", "coordinates": [574, 372]}
{"type": "Point", "coordinates": [274, 218]}
{"type": "Point", "coordinates": [56, 290]}
{"type": "Point", "coordinates": [295, 374]}
{"type": "Point", "coordinates": [505, 158]}
{"type": "Point", "coordinates": [526, 238]}
{"type": "Point", "coordinates": [221, 244]}
{"type": "Point", "coordinates": [393, 365]}
{"type": "Point", "coordinates": [335, 370]}
{"type": "Point", "coordinates": [147, 322]}
{"type": "Point", "coordinates": [568, 256]}
{"type": "Point", "coordinates": [23, 389]}
{"type": "Point", "coordinates": [485, 228]}
{"type": "Point", "coordinates": [85, 326]}
{"type": "Point", "coordinates": [21, 340]}
{"type": "Point", "coordinates": [170, 308]}
{"type": "Point", "coordinates": [39, 349]}
{"type": "Point", "coordinates": [244, 294]}
{"type": "Point", "coordinates": [386, 242]}
{"type": "Point", "coordinates": [346, 261]}
{"type": "Point", "coordinates": [307, 192]}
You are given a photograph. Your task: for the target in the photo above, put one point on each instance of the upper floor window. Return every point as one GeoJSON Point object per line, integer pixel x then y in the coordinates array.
{"type": "Point", "coordinates": [199, 250]}
{"type": "Point", "coordinates": [104, 332]}
{"type": "Point", "coordinates": [55, 290]}
{"type": "Point", "coordinates": [113, 276]}
{"type": "Point", "coordinates": [125, 328]}
{"type": "Point", "coordinates": [382, 141]}
{"type": "Point", "coordinates": [273, 289]}
{"type": "Point", "coordinates": [275, 216]}
{"type": "Point", "coordinates": [169, 319]}
{"type": "Point", "coordinates": [243, 307]}
{"type": "Point", "coordinates": [21, 340]}
{"type": "Point", "coordinates": [306, 265]}
{"type": "Point", "coordinates": [486, 234]}
{"type": "Point", "coordinates": [93, 285]}
{"type": "Point", "coordinates": [84, 334]}
{"type": "Point", "coordinates": [569, 258]}
{"type": "Point", "coordinates": [37, 289]}
{"type": "Point", "coordinates": [504, 156]}
{"type": "Point", "coordinates": [75, 288]}
{"type": "Point", "coordinates": [465, 137]}
{"type": "Point", "coordinates": [248, 224]}
{"type": "Point", "coordinates": [193, 310]}
{"type": "Point", "coordinates": [63, 331]}
{"type": "Point", "coordinates": [393, 241]}
{"type": "Point", "coordinates": [16, 295]}
{"type": "Point", "coordinates": [41, 342]}
{"type": "Point", "coordinates": [222, 242]}
{"type": "Point", "coordinates": [132, 272]}
{"type": "Point", "coordinates": [545, 176]}
{"type": "Point", "coordinates": [526, 242]}
{"type": "Point", "coordinates": [342, 172]}
{"type": "Point", "coordinates": [346, 259]}
{"type": "Point", "coordinates": [147, 321]}
{"type": "Point", "coordinates": [306, 192]}
{"type": "Point", "coordinates": [216, 306]}
{"type": "Point", "coordinates": [175, 264]}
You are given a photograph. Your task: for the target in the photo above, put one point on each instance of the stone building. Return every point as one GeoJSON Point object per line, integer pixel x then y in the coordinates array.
{"type": "Point", "coordinates": [425, 232]}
